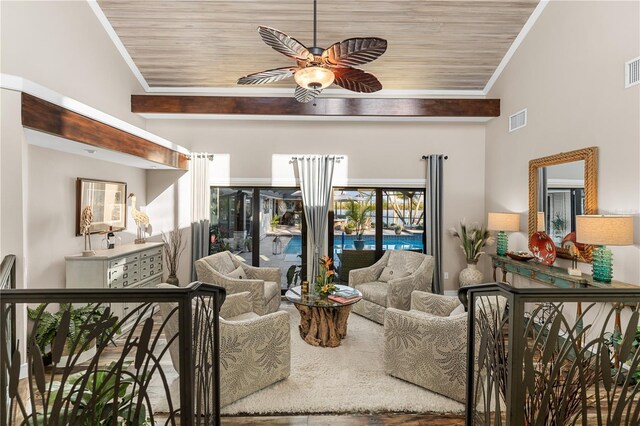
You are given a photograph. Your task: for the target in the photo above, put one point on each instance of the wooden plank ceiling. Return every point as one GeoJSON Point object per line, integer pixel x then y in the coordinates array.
{"type": "Point", "coordinates": [433, 45]}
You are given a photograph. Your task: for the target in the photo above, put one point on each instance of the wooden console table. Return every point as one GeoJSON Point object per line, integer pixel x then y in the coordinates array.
{"type": "Point", "coordinates": [551, 275]}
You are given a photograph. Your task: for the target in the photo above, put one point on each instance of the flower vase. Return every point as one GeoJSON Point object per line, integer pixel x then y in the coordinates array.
{"type": "Point", "coordinates": [470, 275]}
{"type": "Point", "coordinates": [173, 280]}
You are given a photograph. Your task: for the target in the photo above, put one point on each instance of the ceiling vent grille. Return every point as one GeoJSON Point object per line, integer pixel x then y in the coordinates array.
{"type": "Point", "coordinates": [632, 72]}
{"type": "Point", "coordinates": [518, 120]}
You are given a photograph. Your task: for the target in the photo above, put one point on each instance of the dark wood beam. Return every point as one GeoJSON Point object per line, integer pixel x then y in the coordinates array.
{"type": "Point", "coordinates": [38, 114]}
{"type": "Point", "coordinates": [365, 107]}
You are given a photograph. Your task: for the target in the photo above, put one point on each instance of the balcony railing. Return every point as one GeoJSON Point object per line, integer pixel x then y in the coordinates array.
{"type": "Point", "coordinates": [85, 366]}
{"type": "Point", "coordinates": [553, 356]}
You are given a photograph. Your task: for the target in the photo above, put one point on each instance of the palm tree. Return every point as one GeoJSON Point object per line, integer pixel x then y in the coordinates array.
{"type": "Point", "coordinates": [358, 215]}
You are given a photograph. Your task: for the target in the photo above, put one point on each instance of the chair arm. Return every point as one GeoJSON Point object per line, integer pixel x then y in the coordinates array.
{"type": "Point", "coordinates": [258, 351]}
{"type": "Point", "coordinates": [434, 304]}
{"type": "Point", "coordinates": [209, 275]}
{"type": "Point", "coordinates": [399, 294]}
{"type": "Point", "coordinates": [236, 304]}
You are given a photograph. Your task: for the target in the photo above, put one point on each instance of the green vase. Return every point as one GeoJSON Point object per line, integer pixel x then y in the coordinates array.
{"type": "Point", "coordinates": [602, 265]}
{"type": "Point", "coordinates": [502, 243]}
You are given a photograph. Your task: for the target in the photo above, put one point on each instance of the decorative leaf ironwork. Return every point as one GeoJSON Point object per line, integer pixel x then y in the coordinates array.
{"type": "Point", "coordinates": [281, 42]}
{"type": "Point", "coordinates": [356, 80]}
{"type": "Point", "coordinates": [354, 51]}
{"type": "Point", "coordinates": [269, 76]}
{"type": "Point", "coordinates": [306, 95]}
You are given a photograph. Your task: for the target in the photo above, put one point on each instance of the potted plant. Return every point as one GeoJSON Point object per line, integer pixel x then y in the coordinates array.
{"type": "Point", "coordinates": [358, 215]}
{"type": "Point", "coordinates": [349, 228]}
{"type": "Point", "coordinates": [324, 280]}
{"type": "Point", "coordinates": [398, 229]}
{"type": "Point", "coordinates": [275, 220]}
{"type": "Point", "coordinates": [173, 248]}
{"type": "Point", "coordinates": [48, 325]}
{"type": "Point", "coordinates": [473, 239]}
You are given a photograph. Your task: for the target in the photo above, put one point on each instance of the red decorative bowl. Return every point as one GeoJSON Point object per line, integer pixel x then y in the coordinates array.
{"type": "Point", "coordinates": [543, 248]}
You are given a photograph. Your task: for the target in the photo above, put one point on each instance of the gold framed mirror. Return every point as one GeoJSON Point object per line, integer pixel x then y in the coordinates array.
{"type": "Point", "coordinates": [561, 187]}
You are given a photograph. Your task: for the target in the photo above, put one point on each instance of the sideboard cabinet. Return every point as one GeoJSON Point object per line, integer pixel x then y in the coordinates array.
{"type": "Point", "coordinates": [133, 265]}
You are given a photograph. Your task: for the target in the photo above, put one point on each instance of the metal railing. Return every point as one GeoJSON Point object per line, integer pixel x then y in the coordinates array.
{"type": "Point", "coordinates": [105, 369]}
{"type": "Point", "coordinates": [553, 356]}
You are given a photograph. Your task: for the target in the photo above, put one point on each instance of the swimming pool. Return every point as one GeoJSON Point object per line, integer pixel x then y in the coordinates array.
{"type": "Point", "coordinates": [389, 242]}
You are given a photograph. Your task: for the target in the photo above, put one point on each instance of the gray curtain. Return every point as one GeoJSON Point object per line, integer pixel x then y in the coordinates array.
{"type": "Point", "coordinates": [199, 243]}
{"type": "Point", "coordinates": [435, 165]}
{"type": "Point", "coordinates": [316, 176]}
{"type": "Point", "coordinates": [200, 207]}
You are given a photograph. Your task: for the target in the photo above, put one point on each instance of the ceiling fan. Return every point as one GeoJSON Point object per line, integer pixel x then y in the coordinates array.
{"type": "Point", "coordinates": [319, 68]}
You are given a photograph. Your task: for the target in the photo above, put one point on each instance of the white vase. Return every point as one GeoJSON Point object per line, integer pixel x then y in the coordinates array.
{"type": "Point", "coordinates": [470, 275]}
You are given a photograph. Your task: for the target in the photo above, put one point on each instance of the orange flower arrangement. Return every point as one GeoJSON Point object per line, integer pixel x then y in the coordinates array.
{"type": "Point", "coordinates": [324, 280]}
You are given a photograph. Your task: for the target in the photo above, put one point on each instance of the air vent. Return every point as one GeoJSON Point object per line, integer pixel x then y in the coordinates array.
{"type": "Point", "coordinates": [518, 120]}
{"type": "Point", "coordinates": [632, 72]}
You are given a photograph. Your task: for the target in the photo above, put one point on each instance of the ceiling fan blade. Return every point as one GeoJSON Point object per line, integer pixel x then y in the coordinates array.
{"type": "Point", "coordinates": [306, 95]}
{"type": "Point", "coordinates": [268, 76]}
{"type": "Point", "coordinates": [354, 51]}
{"type": "Point", "coordinates": [356, 80]}
{"type": "Point", "coordinates": [284, 44]}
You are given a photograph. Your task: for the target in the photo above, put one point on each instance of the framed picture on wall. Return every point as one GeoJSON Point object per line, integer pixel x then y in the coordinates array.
{"type": "Point", "coordinates": [108, 201]}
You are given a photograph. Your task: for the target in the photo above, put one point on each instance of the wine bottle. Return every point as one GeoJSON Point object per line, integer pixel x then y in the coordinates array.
{"type": "Point", "coordinates": [111, 238]}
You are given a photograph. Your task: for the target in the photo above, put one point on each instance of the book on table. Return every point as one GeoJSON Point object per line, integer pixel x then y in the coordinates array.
{"type": "Point", "coordinates": [347, 293]}
{"type": "Point", "coordinates": [340, 299]}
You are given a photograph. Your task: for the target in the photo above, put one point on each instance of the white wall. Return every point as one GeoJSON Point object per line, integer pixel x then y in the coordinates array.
{"type": "Point", "coordinates": [569, 73]}
{"type": "Point", "coordinates": [389, 151]}
{"type": "Point", "coordinates": [52, 215]}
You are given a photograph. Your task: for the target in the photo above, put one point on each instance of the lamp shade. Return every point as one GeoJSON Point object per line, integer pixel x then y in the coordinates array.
{"type": "Point", "coordinates": [604, 230]}
{"type": "Point", "coordinates": [504, 222]}
{"type": "Point", "coordinates": [540, 225]}
{"type": "Point", "coordinates": [314, 78]}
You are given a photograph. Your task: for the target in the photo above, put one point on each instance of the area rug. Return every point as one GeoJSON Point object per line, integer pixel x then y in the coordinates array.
{"type": "Point", "coordinates": [346, 379]}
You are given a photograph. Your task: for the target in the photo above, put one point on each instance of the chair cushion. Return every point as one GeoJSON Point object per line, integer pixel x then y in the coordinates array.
{"type": "Point", "coordinates": [375, 292]}
{"type": "Point", "coordinates": [271, 289]}
{"type": "Point", "coordinates": [237, 273]}
{"type": "Point", "coordinates": [245, 316]}
{"type": "Point", "coordinates": [389, 273]}
{"type": "Point", "coordinates": [408, 261]}
{"type": "Point", "coordinates": [221, 262]}
{"type": "Point", "coordinates": [458, 310]}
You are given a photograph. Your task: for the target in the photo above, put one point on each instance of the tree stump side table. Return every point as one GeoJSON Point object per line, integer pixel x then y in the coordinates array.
{"type": "Point", "coordinates": [322, 321]}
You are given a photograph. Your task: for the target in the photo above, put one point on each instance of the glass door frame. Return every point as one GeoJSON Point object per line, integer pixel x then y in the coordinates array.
{"type": "Point", "coordinates": [378, 191]}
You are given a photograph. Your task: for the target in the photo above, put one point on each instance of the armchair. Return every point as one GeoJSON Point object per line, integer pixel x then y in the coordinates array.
{"type": "Point", "coordinates": [262, 283]}
{"type": "Point", "coordinates": [388, 283]}
{"type": "Point", "coordinates": [427, 345]}
{"type": "Point", "coordinates": [255, 351]}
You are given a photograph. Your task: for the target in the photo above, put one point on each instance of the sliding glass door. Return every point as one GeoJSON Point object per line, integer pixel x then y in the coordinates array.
{"type": "Point", "coordinates": [366, 222]}
{"type": "Point", "coordinates": [262, 226]}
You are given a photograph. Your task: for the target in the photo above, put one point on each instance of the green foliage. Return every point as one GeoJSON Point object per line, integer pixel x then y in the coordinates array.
{"type": "Point", "coordinates": [473, 239]}
{"type": "Point", "coordinates": [358, 213]}
{"type": "Point", "coordinates": [216, 240]}
{"type": "Point", "coordinates": [275, 221]}
{"type": "Point", "coordinates": [615, 340]}
{"type": "Point", "coordinates": [48, 323]}
{"type": "Point", "coordinates": [93, 393]}
{"type": "Point", "coordinates": [558, 223]}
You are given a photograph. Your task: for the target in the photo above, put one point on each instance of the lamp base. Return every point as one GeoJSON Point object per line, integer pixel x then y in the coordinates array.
{"type": "Point", "coordinates": [602, 264]}
{"type": "Point", "coordinates": [502, 243]}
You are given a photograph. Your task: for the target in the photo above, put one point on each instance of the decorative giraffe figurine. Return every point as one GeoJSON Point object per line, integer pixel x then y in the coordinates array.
{"type": "Point", "coordinates": [86, 219]}
{"type": "Point", "coordinates": [141, 219]}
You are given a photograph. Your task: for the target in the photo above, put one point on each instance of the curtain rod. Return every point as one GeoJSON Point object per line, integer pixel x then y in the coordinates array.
{"type": "Point", "coordinates": [424, 157]}
{"type": "Point", "coordinates": [337, 157]}
{"type": "Point", "coordinates": [200, 155]}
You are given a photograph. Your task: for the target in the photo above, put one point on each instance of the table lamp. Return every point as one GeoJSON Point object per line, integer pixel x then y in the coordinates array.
{"type": "Point", "coordinates": [503, 223]}
{"type": "Point", "coordinates": [600, 231]}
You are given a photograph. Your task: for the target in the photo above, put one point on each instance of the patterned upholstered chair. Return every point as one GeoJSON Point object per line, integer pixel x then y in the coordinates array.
{"type": "Point", "coordinates": [255, 351]}
{"type": "Point", "coordinates": [225, 270]}
{"type": "Point", "coordinates": [427, 345]}
{"type": "Point", "coordinates": [388, 283]}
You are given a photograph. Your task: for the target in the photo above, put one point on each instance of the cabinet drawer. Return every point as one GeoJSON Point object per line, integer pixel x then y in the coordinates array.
{"type": "Point", "coordinates": [127, 271]}
{"type": "Point", "coordinates": [151, 253]}
{"type": "Point", "coordinates": [132, 258]}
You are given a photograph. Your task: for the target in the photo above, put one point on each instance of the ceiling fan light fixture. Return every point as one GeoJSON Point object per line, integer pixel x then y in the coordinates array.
{"type": "Point", "coordinates": [314, 78]}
